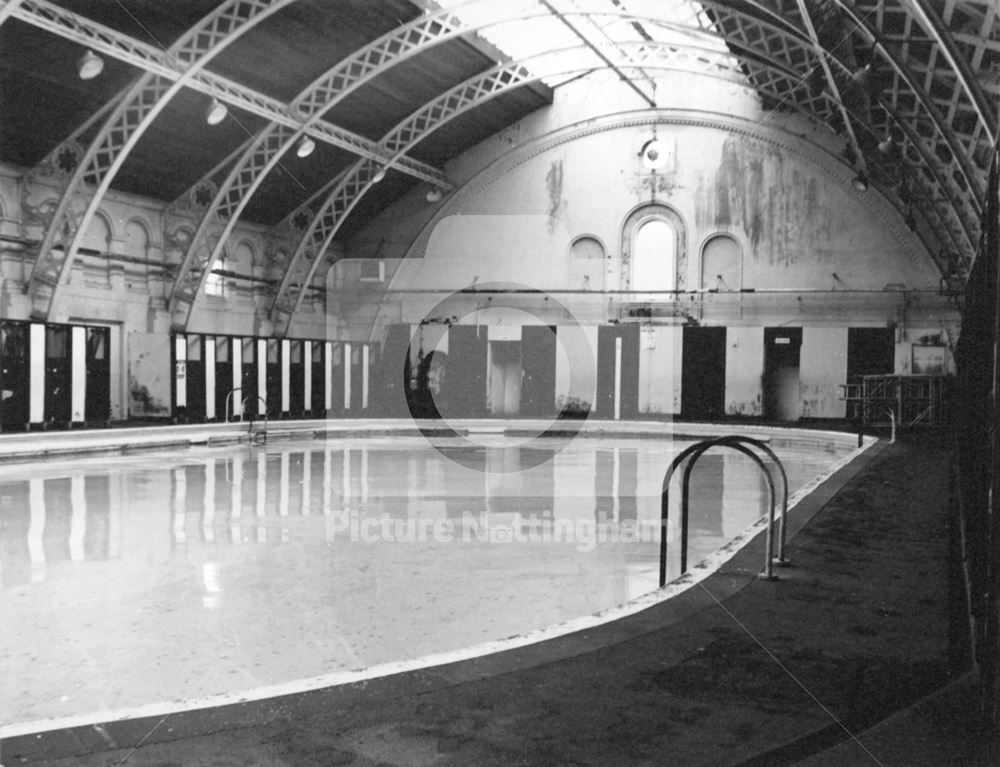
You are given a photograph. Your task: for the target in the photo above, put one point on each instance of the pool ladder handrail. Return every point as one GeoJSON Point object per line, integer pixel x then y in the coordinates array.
{"type": "Point", "coordinates": [695, 451]}
{"type": "Point", "coordinates": [229, 396]}
{"type": "Point", "coordinates": [260, 436]}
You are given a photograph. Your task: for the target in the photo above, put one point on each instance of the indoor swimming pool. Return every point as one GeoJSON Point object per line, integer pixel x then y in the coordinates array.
{"type": "Point", "coordinates": [172, 577]}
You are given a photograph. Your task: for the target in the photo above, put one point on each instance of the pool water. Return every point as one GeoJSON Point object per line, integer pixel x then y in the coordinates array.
{"type": "Point", "coordinates": [177, 576]}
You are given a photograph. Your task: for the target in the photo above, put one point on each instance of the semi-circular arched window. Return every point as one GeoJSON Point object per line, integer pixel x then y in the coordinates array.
{"type": "Point", "coordinates": [654, 264]}
{"type": "Point", "coordinates": [653, 254]}
{"type": "Point", "coordinates": [721, 262]}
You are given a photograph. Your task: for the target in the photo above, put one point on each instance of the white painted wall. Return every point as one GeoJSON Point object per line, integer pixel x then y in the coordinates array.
{"type": "Point", "coordinates": [822, 368]}
{"type": "Point", "coordinates": [744, 370]}
{"type": "Point", "coordinates": [660, 358]}
{"type": "Point", "coordinates": [576, 367]}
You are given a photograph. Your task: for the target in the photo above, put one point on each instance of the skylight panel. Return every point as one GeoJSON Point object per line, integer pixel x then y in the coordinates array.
{"type": "Point", "coordinates": [591, 32]}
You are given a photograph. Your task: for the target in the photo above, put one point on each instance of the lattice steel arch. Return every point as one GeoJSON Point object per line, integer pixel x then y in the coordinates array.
{"type": "Point", "coordinates": [7, 9]}
{"type": "Point", "coordinates": [264, 151]}
{"type": "Point", "coordinates": [955, 220]}
{"type": "Point", "coordinates": [146, 98]}
{"type": "Point", "coordinates": [44, 15]}
{"type": "Point", "coordinates": [319, 236]}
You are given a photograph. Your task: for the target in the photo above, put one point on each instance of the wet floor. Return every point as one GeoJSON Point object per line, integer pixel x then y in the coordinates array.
{"type": "Point", "coordinates": [132, 580]}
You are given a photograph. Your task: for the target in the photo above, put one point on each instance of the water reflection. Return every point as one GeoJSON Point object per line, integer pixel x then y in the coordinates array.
{"type": "Point", "coordinates": [283, 493]}
{"type": "Point", "coordinates": [174, 576]}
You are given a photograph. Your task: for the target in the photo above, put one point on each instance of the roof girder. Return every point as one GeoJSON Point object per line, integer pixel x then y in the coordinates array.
{"type": "Point", "coordinates": [134, 113]}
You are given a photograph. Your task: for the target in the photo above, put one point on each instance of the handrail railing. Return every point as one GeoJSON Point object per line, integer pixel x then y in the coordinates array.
{"type": "Point", "coordinates": [693, 452]}
{"type": "Point", "coordinates": [259, 401]}
{"type": "Point", "coordinates": [229, 398]}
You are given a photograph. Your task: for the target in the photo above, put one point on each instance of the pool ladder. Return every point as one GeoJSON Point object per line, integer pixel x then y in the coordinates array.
{"type": "Point", "coordinates": [691, 454]}
{"type": "Point", "coordinates": [256, 437]}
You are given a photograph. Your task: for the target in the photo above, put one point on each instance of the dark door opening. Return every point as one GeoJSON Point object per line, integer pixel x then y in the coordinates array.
{"type": "Point", "coordinates": [296, 379]}
{"type": "Point", "coordinates": [703, 376]}
{"type": "Point", "coordinates": [58, 375]}
{"type": "Point", "coordinates": [538, 366]}
{"type": "Point", "coordinates": [782, 398]}
{"type": "Point", "coordinates": [195, 374]}
{"type": "Point", "coordinates": [14, 376]}
{"type": "Point", "coordinates": [465, 381]}
{"type": "Point", "coordinates": [248, 385]}
{"type": "Point", "coordinates": [318, 390]}
{"type": "Point", "coordinates": [97, 402]}
{"type": "Point", "coordinates": [273, 378]}
{"type": "Point", "coordinates": [224, 378]}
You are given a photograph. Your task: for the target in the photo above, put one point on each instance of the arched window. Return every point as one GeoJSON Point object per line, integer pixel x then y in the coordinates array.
{"type": "Point", "coordinates": [655, 256]}
{"type": "Point", "coordinates": [721, 260]}
{"type": "Point", "coordinates": [94, 246]}
{"type": "Point", "coordinates": [653, 252]}
{"type": "Point", "coordinates": [136, 245]}
{"type": "Point", "coordinates": [215, 283]}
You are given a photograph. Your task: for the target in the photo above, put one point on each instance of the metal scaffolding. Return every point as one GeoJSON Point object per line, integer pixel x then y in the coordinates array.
{"type": "Point", "coordinates": [906, 400]}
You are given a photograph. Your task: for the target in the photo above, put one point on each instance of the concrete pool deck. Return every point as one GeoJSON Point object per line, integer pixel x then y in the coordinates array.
{"type": "Point", "coordinates": [736, 670]}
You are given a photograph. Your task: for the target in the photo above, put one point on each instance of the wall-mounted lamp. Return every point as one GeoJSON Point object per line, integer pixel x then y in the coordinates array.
{"type": "Point", "coordinates": [306, 147]}
{"type": "Point", "coordinates": [216, 113]}
{"type": "Point", "coordinates": [862, 77]}
{"type": "Point", "coordinates": [654, 154]}
{"type": "Point", "coordinates": [90, 65]}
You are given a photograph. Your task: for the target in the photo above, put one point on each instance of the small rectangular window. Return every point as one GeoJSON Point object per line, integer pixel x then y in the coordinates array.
{"type": "Point", "coordinates": [194, 348]}
{"type": "Point", "coordinates": [215, 283]}
{"type": "Point", "coordinates": [372, 270]}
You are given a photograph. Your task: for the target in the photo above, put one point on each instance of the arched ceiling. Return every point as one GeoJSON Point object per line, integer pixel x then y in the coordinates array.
{"type": "Point", "coordinates": [911, 87]}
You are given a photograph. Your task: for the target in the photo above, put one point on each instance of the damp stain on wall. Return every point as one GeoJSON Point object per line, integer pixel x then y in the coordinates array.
{"type": "Point", "coordinates": [778, 204]}
{"type": "Point", "coordinates": [554, 190]}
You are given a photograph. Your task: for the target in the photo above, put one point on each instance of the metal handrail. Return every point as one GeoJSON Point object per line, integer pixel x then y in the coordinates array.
{"type": "Point", "coordinates": [260, 401]}
{"type": "Point", "coordinates": [228, 399]}
{"type": "Point", "coordinates": [694, 452]}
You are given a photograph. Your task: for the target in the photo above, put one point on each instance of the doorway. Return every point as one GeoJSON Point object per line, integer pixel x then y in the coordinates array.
{"type": "Point", "coordinates": [505, 377]}
{"type": "Point", "coordinates": [538, 361]}
{"type": "Point", "coordinates": [782, 396]}
{"type": "Point", "coordinates": [703, 375]}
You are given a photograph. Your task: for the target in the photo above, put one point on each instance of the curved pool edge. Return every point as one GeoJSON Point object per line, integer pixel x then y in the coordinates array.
{"type": "Point", "coordinates": [729, 569]}
{"type": "Point", "coordinates": [30, 446]}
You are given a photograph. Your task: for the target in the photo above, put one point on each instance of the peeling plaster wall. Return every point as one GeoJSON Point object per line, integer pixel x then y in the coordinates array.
{"type": "Point", "coordinates": [822, 367]}
{"type": "Point", "coordinates": [744, 371]}
{"type": "Point", "coordinates": [660, 360]}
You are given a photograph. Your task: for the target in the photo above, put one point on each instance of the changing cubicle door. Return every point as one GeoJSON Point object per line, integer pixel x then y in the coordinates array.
{"type": "Point", "coordinates": [14, 376]}
{"type": "Point", "coordinates": [274, 389]}
{"type": "Point", "coordinates": [538, 370]}
{"type": "Point", "coordinates": [248, 387]}
{"type": "Point", "coordinates": [703, 377]}
{"type": "Point", "coordinates": [58, 375]}
{"type": "Point", "coordinates": [336, 371]}
{"type": "Point", "coordinates": [97, 405]}
{"type": "Point", "coordinates": [224, 378]}
{"type": "Point", "coordinates": [195, 378]}
{"type": "Point", "coordinates": [318, 383]}
{"type": "Point", "coordinates": [296, 378]}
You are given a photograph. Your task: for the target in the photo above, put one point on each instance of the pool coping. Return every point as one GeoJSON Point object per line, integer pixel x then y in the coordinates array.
{"type": "Point", "coordinates": [31, 446]}
{"type": "Point", "coordinates": [740, 569]}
